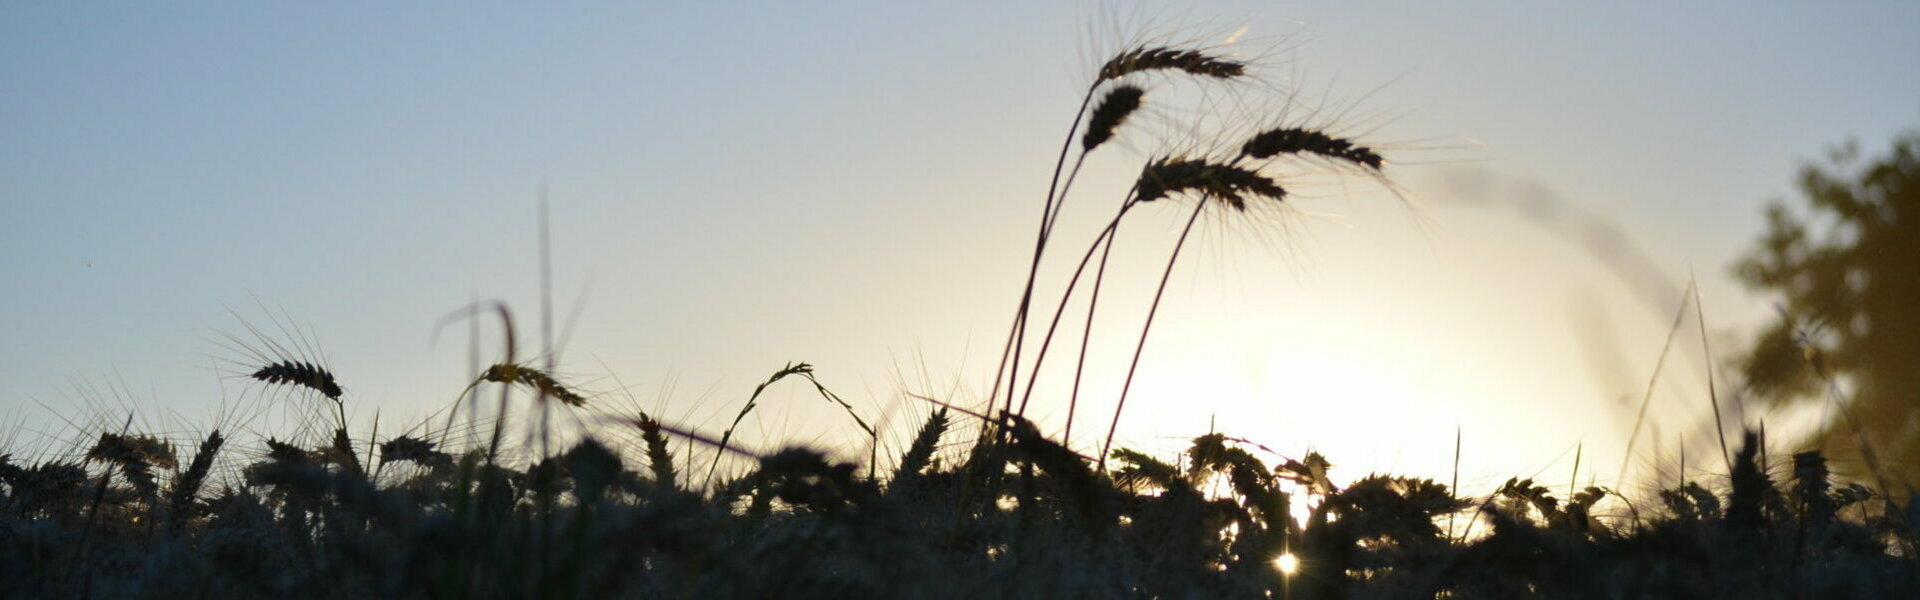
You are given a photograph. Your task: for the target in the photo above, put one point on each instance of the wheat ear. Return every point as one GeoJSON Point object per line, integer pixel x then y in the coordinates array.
{"type": "Point", "coordinates": [1112, 111]}
{"type": "Point", "coordinates": [658, 458]}
{"type": "Point", "coordinates": [921, 452]}
{"type": "Point", "coordinates": [1136, 60]}
{"type": "Point", "coordinates": [1296, 140]}
{"type": "Point", "coordinates": [1193, 62]}
{"type": "Point", "coordinates": [534, 378]}
{"type": "Point", "coordinates": [302, 374]}
{"type": "Point", "coordinates": [752, 401]}
{"type": "Point", "coordinates": [188, 484]}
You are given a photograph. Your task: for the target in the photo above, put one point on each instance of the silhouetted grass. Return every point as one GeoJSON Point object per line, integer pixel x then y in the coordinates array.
{"type": "Point", "coordinates": [1017, 515]}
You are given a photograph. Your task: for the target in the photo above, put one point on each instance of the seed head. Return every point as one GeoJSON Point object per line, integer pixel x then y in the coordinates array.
{"type": "Point", "coordinates": [410, 449]}
{"type": "Point", "coordinates": [133, 450]}
{"type": "Point", "coordinates": [1120, 102]}
{"type": "Point", "coordinates": [533, 378]}
{"type": "Point", "coordinates": [1222, 182]}
{"type": "Point", "coordinates": [1151, 59]}
{"type": "Point", "coordinates": [1295, 140]}
{"type": "Point", "coordinates": [302, 374]}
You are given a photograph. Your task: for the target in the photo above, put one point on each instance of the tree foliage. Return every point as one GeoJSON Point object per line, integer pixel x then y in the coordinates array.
{"type": "Point", "coordinates": [1847, 271]}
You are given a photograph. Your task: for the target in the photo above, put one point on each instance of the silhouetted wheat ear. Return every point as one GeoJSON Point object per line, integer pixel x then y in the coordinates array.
{"type": "Point", "coordinates": [534, 378]}
{"type": "Point", "coordinates": [1113, 110]}
{"type": "Point", "coordinates": [658, 458]}
{"type": "Point", "coordinates": [341, 452]}
{"type": "Point", "coordinates": [920, 453]}
{"type": "Point", "coordinates": [1810, 489]}
{"type": "Point", "coordinates": [136, 456]}
{"type": "Point", "coordinates": [1745, 505]}
{"type": "Point", "coordinates": [301, 374]}
{"type": "Point", "coordinates": [1296, 140]}
{"type": "Point", "coordinates": [132, 449]}
{"type": "Point", "coordinates": [1154, 59]}
{"type": "Point", "coordinates": [279, 451]}
{"type": "Point", "coordinates": [414, 450]}
{"type": "Point", "coordinates": [188, 484]}
{"type": "Point", "coordinates": [1141, 468]}
{"type": "Point", "coordinates": [1233, 185]}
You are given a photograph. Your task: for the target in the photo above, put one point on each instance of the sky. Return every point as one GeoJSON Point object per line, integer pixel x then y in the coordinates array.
{"type": "Point", "coordinates": [735, 186]}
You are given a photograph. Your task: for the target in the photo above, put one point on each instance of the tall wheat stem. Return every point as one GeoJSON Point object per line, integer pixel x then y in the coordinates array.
{"type": "Point", "coordinates": [1053, 326]}
{"type": "Point", "coordinates": [1086, 337]}
{"type": "Point", "coordinates": [1627, 457]}
{"type": "Point", "coordinates": [1147, 327]}
{"type": "Point", "coordinates": [1017, 337]}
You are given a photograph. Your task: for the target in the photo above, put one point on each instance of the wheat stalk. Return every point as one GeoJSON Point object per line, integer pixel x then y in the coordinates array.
{"type": "Point", "coordinates": [1046, 342]}
{"type": "Point", "coordinates": [1152, 310]}
{"type": "Point", "coordinates": [752, 401]}
{"type": "Point", "coordinates": [1086, 335]}
{"type": "Point", "coordinates": [1646, 399]}
{"type": "Point", "coordinates": [1163, 178]}
{"type": "Point", "coordinates": [1137, 60]}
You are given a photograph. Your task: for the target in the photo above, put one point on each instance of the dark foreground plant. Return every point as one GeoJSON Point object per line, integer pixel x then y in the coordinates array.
{"type": "Point", "coordinates": [1212, 523]}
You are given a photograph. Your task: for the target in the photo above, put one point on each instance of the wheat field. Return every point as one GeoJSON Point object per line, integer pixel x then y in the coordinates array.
{"type": "Point", "coordinates": [492, 499]}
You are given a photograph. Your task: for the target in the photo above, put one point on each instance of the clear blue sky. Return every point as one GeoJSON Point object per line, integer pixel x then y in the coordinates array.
{"type": "Point", "coordinates": [854, 185]}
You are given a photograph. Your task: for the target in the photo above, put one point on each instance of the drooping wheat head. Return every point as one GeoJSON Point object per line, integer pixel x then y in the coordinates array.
{"type": "Point", "coordinates": [278, 451]}
{"type": "Point", "coordinates": [1229, 184]}
{"type": "Point", "coordinates": [534, 378]}
{"type": "Point", "coordinates": [414, 450]}
{"type": "Point", "coordinates": [1113, 110]}
{"type": "Point", "coordinates": [303, 374]}
{"type": "Point", "coordinates": [753, 400]}
{"type": "Point", "coordinates": [1299, 140]}
{"type": "Point", "coordinates": [1194, 62]}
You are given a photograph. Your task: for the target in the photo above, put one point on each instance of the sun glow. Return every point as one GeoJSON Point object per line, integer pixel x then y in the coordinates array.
{"type": "Point", "coordinates": [1287, 563]}
{"type": "Point", "coordinates": [1369, 401]}
{"type": "Point", "coordinates": [1355, 401]}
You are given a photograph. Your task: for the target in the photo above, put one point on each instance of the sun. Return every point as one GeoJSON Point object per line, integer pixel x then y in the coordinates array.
{"type": "Point", "coordinates": [1287, 563]}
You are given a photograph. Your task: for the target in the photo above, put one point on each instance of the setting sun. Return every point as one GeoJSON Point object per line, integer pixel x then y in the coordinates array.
{"type": "Point", "coordinates": [1287, 563]}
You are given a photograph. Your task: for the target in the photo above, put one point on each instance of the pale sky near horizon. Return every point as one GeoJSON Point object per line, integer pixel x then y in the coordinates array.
{"type": "Point", "coordinates": [855, 185]}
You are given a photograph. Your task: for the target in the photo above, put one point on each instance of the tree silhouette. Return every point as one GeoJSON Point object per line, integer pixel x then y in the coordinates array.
{"type": "Point", "coordinates": [1848, 274]}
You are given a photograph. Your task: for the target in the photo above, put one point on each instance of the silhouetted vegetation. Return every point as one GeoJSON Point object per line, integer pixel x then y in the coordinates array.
{"type": "Point", "coordinates": [1847, 272]}
{"type": "Point", "coordinates": [1013, 514]}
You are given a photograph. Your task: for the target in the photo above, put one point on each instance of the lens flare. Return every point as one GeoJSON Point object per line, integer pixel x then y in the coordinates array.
{"type": "Point", "coordinates": [1287, 563]}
